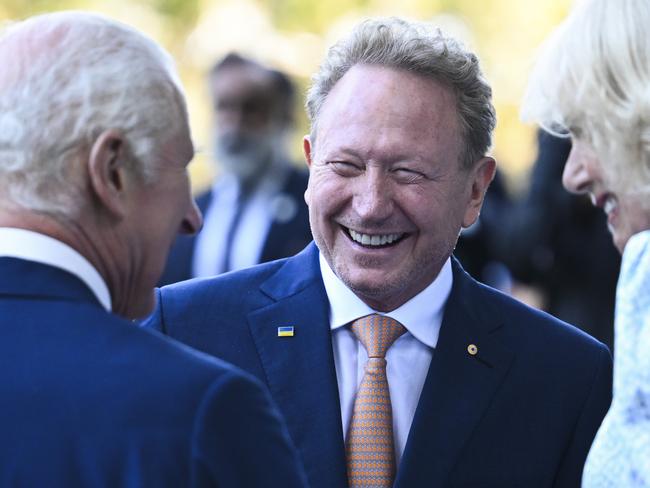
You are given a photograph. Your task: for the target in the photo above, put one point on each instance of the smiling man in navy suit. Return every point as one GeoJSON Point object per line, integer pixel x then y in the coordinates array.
{"type": "Point", "coordinates": [94, 144]}
{"type": "Point", "coordinates": [476, 390]}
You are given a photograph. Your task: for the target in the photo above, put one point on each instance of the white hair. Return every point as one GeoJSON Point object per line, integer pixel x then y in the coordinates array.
{"type": "Point", "coordinates": [422, 49]}
{"type": "Point", "coordinates": [592, 80]}
{"type": "Point", "coordinates": [66, 77]}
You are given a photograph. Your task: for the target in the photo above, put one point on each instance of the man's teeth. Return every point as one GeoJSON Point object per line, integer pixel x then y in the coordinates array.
{"type": "Point", "coordinates": [610, 204]}
{"type": "Point", "coordinates": [375, 240]}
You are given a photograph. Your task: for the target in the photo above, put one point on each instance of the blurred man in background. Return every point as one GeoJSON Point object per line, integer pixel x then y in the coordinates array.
{"type": "Point", "coordinates": [94, 144]}
{"type": "Point", "coordinates": [255, 212]}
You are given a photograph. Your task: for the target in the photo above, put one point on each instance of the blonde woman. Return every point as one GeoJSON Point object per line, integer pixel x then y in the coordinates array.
{"type": "Point", "coordinates": [592, 82]}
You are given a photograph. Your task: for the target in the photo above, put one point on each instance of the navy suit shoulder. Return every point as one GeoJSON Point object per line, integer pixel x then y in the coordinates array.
{"type": "Point", "coordinates": [532, 322]}
{"type": "Point", "coordinates": [235, 316]}
{"type": "Point", "coordinates": [93, 400]}
{"type": "Point", "coordinates": [210, 314]}
{"type": "Point", "coordinates": [539, 390]}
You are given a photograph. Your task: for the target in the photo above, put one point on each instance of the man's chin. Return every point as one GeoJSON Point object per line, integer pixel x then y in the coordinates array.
{"type": "Point", "coordinates": [379, 291]}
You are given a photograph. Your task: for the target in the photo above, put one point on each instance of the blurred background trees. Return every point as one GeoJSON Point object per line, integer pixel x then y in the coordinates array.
{"type": "Point", "coordinates": [293, 35]}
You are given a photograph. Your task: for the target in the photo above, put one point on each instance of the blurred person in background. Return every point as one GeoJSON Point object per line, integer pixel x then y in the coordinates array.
{"type": "Point", "coordinates": [255, 211]}
{"type": "Point", "coordinates": [592, 81]}
{"type": "Point", "coordinates": [94, 145]}
{"type": "Point", "coordinates": [558, 243]}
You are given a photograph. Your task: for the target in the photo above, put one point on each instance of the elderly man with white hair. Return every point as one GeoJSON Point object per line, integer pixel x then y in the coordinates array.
{"type": "Point", "coordinates": [94, 144]}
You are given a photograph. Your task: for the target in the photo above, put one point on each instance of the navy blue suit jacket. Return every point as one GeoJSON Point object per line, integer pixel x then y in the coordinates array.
{"type": "Point", "coordinates": [88, 399]}
{"type": "Point", "coordinates": [285, 238]}
{"type": "Point", "coordinates": [520, 413]}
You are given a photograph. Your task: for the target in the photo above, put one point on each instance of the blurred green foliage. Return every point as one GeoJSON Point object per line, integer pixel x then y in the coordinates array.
{"type": "Point", "coordinates": [180, 13]}
{"type": "Point", "coordinates": [294, 34]}
{"type": "Point", "coordinates": [310, 15]}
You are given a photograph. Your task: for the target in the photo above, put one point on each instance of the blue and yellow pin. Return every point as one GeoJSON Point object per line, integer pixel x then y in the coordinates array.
{"type": "Point", "coordinates": [286, 331]}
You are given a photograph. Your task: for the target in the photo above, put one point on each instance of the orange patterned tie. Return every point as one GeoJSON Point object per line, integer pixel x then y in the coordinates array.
{"type": "Point", "coordinates": [369, 448]}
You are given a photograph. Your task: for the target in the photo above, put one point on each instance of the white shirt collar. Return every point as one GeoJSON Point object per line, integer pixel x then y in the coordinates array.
{"type": "Point", "coordinates": [33, 246]}
{"type": "Point", "coordinates": [421, 315]}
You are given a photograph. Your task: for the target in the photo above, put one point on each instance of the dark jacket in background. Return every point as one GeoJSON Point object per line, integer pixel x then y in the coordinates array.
{"type": "Point", "coordinates": [559, 242]}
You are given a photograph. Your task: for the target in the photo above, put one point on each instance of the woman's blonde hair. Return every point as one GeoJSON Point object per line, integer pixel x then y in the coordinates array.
{"type": "Point", "coordinates": [592, 80]}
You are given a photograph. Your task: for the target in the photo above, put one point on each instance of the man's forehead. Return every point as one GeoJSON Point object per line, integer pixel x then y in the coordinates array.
{"type": "Point", "coordinates": [373, 91]}
{"type": "Point", "coordinates": [376, 108]}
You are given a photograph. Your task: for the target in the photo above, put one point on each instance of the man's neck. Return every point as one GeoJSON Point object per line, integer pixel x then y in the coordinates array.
{"type": "Point", "coordinates": [81, 237]}
{"type": "Point", "coordinates": [36, 247]}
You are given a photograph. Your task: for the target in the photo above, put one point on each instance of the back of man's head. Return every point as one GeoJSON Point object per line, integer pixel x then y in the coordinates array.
{"type": "Point", "coordinates": [67, 77]}
{"type": "Point", "coordinates": [94, 144]}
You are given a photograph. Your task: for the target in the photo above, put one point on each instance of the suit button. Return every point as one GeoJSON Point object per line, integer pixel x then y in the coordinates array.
{"type": "Point", "coordinates": [472, 349]}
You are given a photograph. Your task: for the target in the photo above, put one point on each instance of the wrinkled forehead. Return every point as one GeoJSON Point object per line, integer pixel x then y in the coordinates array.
{"type": "Point", "coordinates": [379, 97]}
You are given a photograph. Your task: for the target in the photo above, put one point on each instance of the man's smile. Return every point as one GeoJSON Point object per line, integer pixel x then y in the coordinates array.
{"type": "Point", "coordinates": [374, 240]}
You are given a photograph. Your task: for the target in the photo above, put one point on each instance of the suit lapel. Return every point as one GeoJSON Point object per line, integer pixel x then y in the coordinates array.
{"type": "Point", "coordinates": [458, 389]}
{"type": "Point", "coordinates": [300, 369]}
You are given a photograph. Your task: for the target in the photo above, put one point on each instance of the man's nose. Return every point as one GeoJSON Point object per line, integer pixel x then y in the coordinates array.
{"type": "Point", "coordinates": [373, 199]}
{"type": "Point", "coordinates": [193, 220]}
{"type": "Point", "coordinates": [575, 176]}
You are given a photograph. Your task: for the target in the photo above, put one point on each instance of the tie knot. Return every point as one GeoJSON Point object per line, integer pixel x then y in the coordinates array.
{"type": "Point", "coordinates": [377, 333]}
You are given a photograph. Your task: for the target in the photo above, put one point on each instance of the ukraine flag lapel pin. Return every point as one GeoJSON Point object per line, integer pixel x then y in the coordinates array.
{"type": "Point", "coordinates": [286, 331]}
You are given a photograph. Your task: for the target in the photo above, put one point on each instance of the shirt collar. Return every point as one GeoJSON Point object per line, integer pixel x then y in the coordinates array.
{"type": "Point", "coordinates": [33, 246]}
{"type": "Point", "coordinates": [421, 315]}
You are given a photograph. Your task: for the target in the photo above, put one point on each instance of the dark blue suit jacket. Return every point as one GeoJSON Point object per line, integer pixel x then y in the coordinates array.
{"type": "Point", "coordinates": [520, 413]}
{"type": "Point", "coordinates": [88, 399]}
{"type": "Point", "coordinates": [285, 238]}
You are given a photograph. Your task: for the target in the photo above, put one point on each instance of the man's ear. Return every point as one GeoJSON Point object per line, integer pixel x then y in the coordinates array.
{"type": "Point", "coordinates": [107, 171]}
{"type": "Point", "coordinates": [480, 177]}
{"type": "Point", "coordinates": [307, 149]}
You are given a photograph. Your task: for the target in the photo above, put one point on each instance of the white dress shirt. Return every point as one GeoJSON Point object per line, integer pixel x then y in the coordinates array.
{"type": "Point", "coordinates": [407, 359]}
{"type": "Point", "coordinates": [33, 246]}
